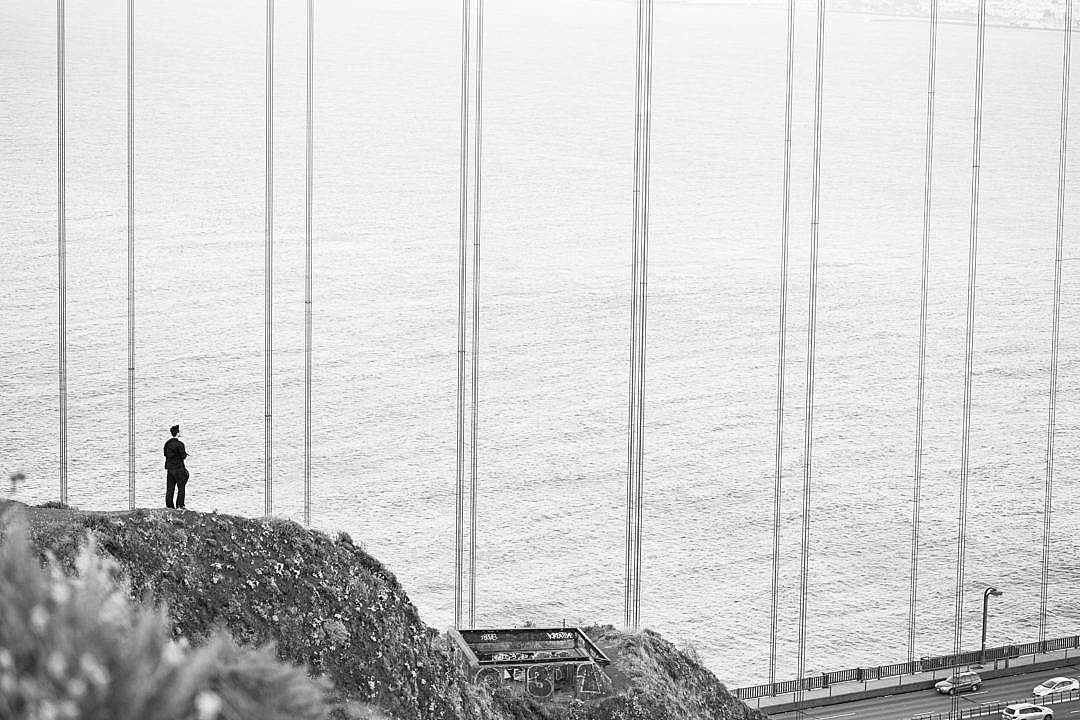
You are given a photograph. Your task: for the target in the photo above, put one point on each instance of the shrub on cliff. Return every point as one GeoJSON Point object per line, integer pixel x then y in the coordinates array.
{"type": "Point", "coordinates": [76, 647]}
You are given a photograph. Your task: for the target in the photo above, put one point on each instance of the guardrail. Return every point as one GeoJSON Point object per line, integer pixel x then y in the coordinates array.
{"type": "Point", "coordinates": [995, 708]}
{"type": "Point", "coordinates": [924, 664]}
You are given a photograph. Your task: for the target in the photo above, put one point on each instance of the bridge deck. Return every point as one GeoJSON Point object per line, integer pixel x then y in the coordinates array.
{"type": "Point", "coordinates": [849, 692]}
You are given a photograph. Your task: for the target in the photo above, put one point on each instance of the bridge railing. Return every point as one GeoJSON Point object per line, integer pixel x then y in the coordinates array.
{"type": "Point", "coordinates": [925, 664]}
{"type": "Point", "coordinates": [995, 708]}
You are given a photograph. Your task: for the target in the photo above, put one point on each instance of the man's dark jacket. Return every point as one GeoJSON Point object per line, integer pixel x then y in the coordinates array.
{"type": "Point", "coordinates": [174, 454]}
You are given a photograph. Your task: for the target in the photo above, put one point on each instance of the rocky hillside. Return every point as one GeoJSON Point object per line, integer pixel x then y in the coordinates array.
{"type": "Point", "coordinates": [327, 604]}
{"type": "Point", "coordinates": [657, 681]}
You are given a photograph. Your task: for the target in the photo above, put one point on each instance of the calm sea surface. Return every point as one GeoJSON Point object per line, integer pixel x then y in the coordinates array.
{"type": "Point", "coordinates": [558, 139]}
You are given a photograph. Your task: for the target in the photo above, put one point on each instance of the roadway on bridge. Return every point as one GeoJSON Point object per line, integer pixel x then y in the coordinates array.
{"type": "Point", "coordinates": [903, 706]}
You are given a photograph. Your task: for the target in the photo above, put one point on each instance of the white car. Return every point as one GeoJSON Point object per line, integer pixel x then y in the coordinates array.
{"type": "Point", "coordinates": [1056, 685]}
{"type": "Point", "coordinates": [1025, 711]}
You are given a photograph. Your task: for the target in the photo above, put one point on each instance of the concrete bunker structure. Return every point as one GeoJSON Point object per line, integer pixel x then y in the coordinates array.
{"type": "Point", "coordinates": [549, 663]}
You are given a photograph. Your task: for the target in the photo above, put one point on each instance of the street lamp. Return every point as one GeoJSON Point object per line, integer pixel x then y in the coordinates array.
{"type": "Point", "coordinates": [986, 599]}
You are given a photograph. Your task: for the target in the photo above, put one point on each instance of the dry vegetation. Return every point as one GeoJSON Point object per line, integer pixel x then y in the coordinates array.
{"type": "Point", "coordinates": [75, 646]}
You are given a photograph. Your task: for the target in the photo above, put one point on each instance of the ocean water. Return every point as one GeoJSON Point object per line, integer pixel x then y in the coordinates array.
{"type": "Point", "coordinates": [555, 288]}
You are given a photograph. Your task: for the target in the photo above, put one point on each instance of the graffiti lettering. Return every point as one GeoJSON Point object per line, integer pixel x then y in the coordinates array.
{"type": "Point", "coordinates": [489, 637]}
{"type": "Point", "coordinates": [562, 635]}
{"type": "Point", "coordinates": [538, 682]}
{"type": "Point", "coordinates": [590, 680]}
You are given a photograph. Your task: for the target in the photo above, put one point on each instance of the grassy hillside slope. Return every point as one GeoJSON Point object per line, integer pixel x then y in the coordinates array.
{"type": "Point", "coordinates": [328, 604]}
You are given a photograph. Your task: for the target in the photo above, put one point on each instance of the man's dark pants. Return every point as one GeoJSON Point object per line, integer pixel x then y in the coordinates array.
{"type": "Point", "coordinates": [175, 479]}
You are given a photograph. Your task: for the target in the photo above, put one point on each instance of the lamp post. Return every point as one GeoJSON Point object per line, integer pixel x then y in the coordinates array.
{"type": "Point", "coordinates": [986, 600]}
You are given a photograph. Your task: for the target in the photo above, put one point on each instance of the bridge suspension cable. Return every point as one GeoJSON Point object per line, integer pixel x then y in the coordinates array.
{"type": "Point", "coordinates": [638, 314]}
{"type": "Point", "coordinates": [973, 247]}
{"type": "Point", "coordinates": [131, 247]}
{"type": "Point", "coordinates": [309, 160]}
{"type": "Point", "coordinates": [476, 308]}
{"type": "Point", "coordinates": [811, 342]}
{"type": "Point", "coordinates": [916, 498]}
{"type": "Point", "coordinates": [628, 576]}
{"type": "Point", "coordinates": [782, 343]}
{"type": "Point", "coordinates": [463, 219]}
{"type": "Point", "coordinates": [61, 241]}
{"type": "Point", "coordinates": [268, 396]}
{"type": "Point", "coordinates": [1055, 334]}
{"type": "Point", "coordinates": [643, 316]}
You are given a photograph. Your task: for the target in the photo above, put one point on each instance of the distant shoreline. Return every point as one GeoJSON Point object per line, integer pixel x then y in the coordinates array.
{"type": "Point", "coordinates": [998, 22]}
{"type": "Point", "coordinates": [891, 17]}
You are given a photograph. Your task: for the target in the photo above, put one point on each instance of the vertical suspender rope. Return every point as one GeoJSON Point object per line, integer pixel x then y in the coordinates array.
{"type": "Point", "coordinates": [811, 340]}
{"type": "Point", "coordinates": [131, 247]}
{"type": "Point", "coordinates": [782, 344]}
{"type": "Point", "coordinates": [923, 294]}
{"type": "Point", "coordinates": [973, 245]}
{"type": "Point", "coordinates": [643, 306]}
{"type": "Point", "coordinates": [1047, 501]}
{"type": "Point", "coordinates": [268, 270]}
{"type": "Point", "coordinates": [631, 482]}
{"type": "Point", "coordinates": [61, 240]}
{"type": "Point", "coordinates": [475, 309]}
{"type": "Point", "coordinates": [632, 613]}
{"type": "Point", "coordinates": [459, 533]}
{"type": "Point", "coordinates": [308, 193]}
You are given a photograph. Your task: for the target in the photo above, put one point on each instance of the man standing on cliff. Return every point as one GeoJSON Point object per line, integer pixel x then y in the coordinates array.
{"type": "Point", "coordinates": [176, 475]}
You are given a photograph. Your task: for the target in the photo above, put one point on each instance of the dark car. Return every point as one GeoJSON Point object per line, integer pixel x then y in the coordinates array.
{"type": "Point", "coordinates": [958, 683]}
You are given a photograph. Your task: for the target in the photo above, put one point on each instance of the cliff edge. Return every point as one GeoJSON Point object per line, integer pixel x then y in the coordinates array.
{"type": "Point", "coordinates": [328, 605]}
